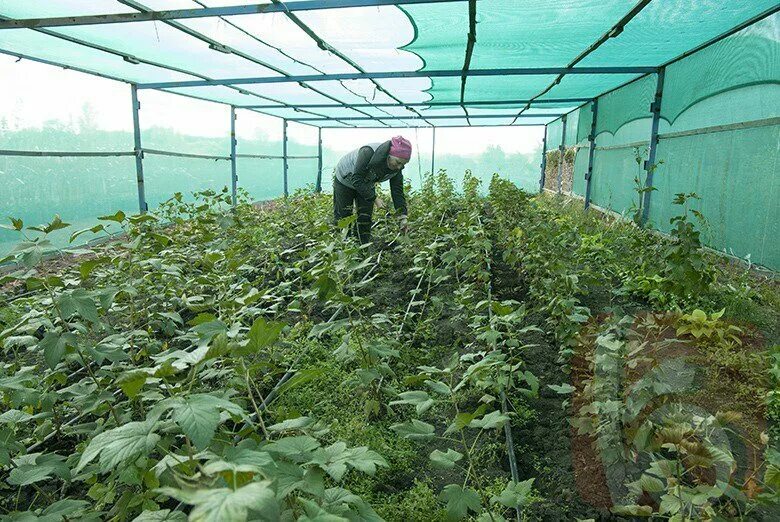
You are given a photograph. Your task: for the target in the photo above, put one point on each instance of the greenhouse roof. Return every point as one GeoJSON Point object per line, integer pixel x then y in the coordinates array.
{"type": "Point", "coordinates": [368, 63]}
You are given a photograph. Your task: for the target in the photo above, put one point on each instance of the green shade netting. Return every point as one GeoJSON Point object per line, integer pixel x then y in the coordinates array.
{"type": "Point", "coordinates": [554, 134]}
{"type": "Point", "coordinates": [572, 121]}
{"type": "Point", "coordinates": [78, 189]}
{"type": "Point", "coordinates": [722, 143]}
{"type": "Point", "coordinates": [750, 57]}
{"type": "Point", "coordinates": [584, 123]}
{"type": "Point", "coordinates": [665, 29]}
{"type": "Point", "coordinates": [625, 105]}
{"type": "Point", "coordinates": [735, 173]}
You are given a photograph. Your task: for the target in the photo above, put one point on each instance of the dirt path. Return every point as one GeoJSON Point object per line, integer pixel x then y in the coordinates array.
{"type": "Point", "coordinates": [544, 444]}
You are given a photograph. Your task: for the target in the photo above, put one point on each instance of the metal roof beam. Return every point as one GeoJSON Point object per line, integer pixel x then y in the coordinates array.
{"type": "Point", "coordinates": [207, 12]}
{"type": "Point", "coordinates": [418, 104]}
{"type": "Point", "coordinates": [444, 117]}
{"type": "Point", "coordinates": [422, 126]}
{"type": "Point", "coordinates": [527, 71]}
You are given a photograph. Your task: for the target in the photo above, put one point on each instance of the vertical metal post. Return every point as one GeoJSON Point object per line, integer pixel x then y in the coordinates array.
{"type": "Point", "coordinates": [233, 141]}
{"type": "Point", "coordinates": [561, 154]}
{"type": "Point", "coordinates": [650, 165]}
{"type": "Point", "coordinates": [318, 185]}
{"type": "Point", "coordinates": [433, 152]}
{"type": "Point", "coordinates": [544, 160]}
{"type": "Point", "coordinates": [591, 150]}
{"type": "Point", "coordinates": [284, 154]}
{"type": "Point", "coordinates": [139, 152]}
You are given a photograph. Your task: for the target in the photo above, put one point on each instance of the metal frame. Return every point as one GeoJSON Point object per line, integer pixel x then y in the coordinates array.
{"type": "Point", "coordinates": [562, 153]}
{"type": "Point", "coordinates": [318, 184]}
{"type": "Point", "coordinates": [385, 75]}
{"type": "Point", "coordinates": [233, 143]}
{"type": "Point", "coordinates": [591, 150]}
{"type": "Point", "coordinates": [442, 117]}
{"type": "Point", "coordinates": [139, 153]}
{"type": "Point", "coordinates": [284, 155]}
{"type": "Point", "coordinates": [433, 152]}
{"type": "Point", "coordinates": [544, 160]}
{"type": "Point", "coordinates": [277, 6]}
{"type": "Point", "coordinates": [206, 12]}
{"type": "Point", "coordinates": [419, 104]}
{"type": "Point", "coordinates": [650, 164]}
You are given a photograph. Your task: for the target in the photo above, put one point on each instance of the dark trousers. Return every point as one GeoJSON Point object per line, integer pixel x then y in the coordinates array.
{"type": "Point", "coordinates": [344, 201]}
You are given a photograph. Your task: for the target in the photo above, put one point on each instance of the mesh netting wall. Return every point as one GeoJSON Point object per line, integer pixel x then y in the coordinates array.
{"type": "Point", "coordinates": [718, 137]}
{"type": "Point", "coordinates": [730, 93]}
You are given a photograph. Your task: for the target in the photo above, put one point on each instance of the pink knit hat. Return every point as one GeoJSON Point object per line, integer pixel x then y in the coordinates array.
{"type": "Point", "coordinates": [400, 148]}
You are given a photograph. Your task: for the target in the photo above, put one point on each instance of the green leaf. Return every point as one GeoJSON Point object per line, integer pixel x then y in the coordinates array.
{"type": "Point", "coordinates": [53, 346]}
{"type": "Point", "coordinates": [223, 504]}
{"type": "Point", "coordinates": [163, 515]}
{"type": "Point", "coordinates": [562, 389]}
{"type": "Point", "coordinates": [198, 416]}
{"type": "Point", "coordinates": [494, 419]}
{"type": "Point", "coordinates": [56, 224]}
{"type": "Point", "coordinates": [16, 224]}
{"type": "Point", "coordinates": [66, 509]}
{"type": "Point", "coordinates": [414, 430]}
{"type": "Point", "coordinates": [515, 494]}
{"type": "Point", "coordinates": [120, 446]}
{"type": "Point", "coordinates": [442, 460]}
{"type": "Point", "coordinates": [294, 447]}
{"type": "Point", "coordinates": [439, 387]}
{"type": "Point", "coordinates": [94, 230]}
{"type": "Point", "coordinates": [420, 399]}
{"type": "Point", "coordinates": [651, 484]}
{"type": "Point", "coordinates": [44, 467]}
{"type": "Point", "coordinates": [87, 267]}
{"type": "Point", "coordinates": [118, 217]}
{"type": "Point", "coordinates": [291, 424]}
{"type": "Point", "coordinates": [262, 334]}
{"type": "Point", "coordinates": [326, 287]}
{"type": "Point", "coordinates": [207, 331]}
{"type": "Point", "coordinates": [460, 501]}
{"type": "Point", "coordinates": [533, 383]}
{"type": "Point", "coordinates": [78, 302]}
{"type": "Point", "coordinates": [132, 381]}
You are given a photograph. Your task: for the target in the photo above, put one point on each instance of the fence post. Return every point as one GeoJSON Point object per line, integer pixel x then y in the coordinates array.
{"type": "Point", "coordinates": [544, 160]}
{"type": "Point", "coordinates": [433, 153]}
{"type": "Point", "coordinates": [649, 165]}
{"type": "Point", "coordinates": [561, 154]}
{"type": "Point", "coordinates": [139, 152]}
{"type": "Point", "coordinates": [318, 185]}
{"type": "Point", "coordinates": [233, 141]}
{"type": "Point", "coordinates": [284, 154]}
{"type": "Point", "coordinates": [591, 151]}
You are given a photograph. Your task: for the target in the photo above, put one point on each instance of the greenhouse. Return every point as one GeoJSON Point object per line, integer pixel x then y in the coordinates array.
{"type": "Point", "coordinates": [568, 309]}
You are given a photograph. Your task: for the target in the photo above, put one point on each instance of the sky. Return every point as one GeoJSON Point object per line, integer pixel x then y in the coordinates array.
{"type": "Point", "coordinates": [33, 93]}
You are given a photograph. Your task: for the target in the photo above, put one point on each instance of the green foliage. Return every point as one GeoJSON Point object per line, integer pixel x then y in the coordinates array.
{"type": "Point", "coordinates": [146, 371]}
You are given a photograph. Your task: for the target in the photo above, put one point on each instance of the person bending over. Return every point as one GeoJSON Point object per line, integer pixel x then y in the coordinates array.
{"type": "Point", "coordinates": [359, 171]}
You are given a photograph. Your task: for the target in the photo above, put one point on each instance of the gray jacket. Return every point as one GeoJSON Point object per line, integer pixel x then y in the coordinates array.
{"type": "Point", "coordinates": [362, 168]}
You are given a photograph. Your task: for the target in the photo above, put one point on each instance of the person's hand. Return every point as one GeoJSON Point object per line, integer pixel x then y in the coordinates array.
{"type": "Point", "coordinates": [379, 202]}
{"type": "Point", "coordinates": [403, 222]}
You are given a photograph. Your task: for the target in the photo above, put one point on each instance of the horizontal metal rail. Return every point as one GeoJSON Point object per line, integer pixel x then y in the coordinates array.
{"type": "Point", "coordinates": [422, 126]}
{"type": "Point", "coordinates": [64, 154]}
{"type": "Point", "coordinates": [207, 12]}
{"type": "Point", "coordinates": [417, 104]}
{"type": "Point", "coordinates": [157, 152]}
{"type": "Point", "coordinates": [265, 156]}
{"type": "Point", "coordinates": [450, 73]}
{"type": "Point", "coordinates": [753, 124]}
{"type": "Point", "coordinates": [427, 117]}
{"type": "Point", "coordinates": [766, 122]}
